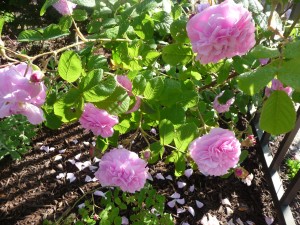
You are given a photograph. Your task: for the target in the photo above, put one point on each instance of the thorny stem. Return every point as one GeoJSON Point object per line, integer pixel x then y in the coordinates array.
{"type": "Point", "coordinates": [202, 120]}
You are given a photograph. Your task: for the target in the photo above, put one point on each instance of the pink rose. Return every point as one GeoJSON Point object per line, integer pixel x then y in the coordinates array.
{"type": "Point", "coordinates": [202, 6]}
{"type": "Point", "coordinates": [122, 168]}
{"type": "Point", "coordinates": [64, 7]}
{"type": "Point", "coordinates": [18, 95]}
{"type": "Point", "coordinates": [277, 86]}
{"type": "Point", "coordinates": [98, 121]}
{"type": "Point", "coordinates": [221, 31]}
{"type": "Point", "coordinates": [127, 85]}
{"type": "Point", "coordinates": [220, 108]}
{"type": "Point", "coordinates": [216, 152]}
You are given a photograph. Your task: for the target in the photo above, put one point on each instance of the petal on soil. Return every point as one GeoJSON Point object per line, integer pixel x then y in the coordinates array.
{"type": "Point", "coordinates": [171, 204]}
{"type": "Point", "coordinates": [159, 176]}
{"type": "Point", "coordinates": [188, 172]}
{"type": "Point", "coordinates": [181, 184]}
{"type": "Point", "coordinates": [225, 201]}
{"type": "Point", "coordinates": [181, 201]}
{"type": "Point", "coordinates": [269, 220]}
{"type": "Point", "coordinates": [169, 177]}
{"type": "Point", "coordinates": [175, 195]}
{"type": "Point", "coordinates": [199, 204]}
{"type": "Point", "coordinates": [191, 210]}
{"type": "Point", "coordinates": [192, 188]}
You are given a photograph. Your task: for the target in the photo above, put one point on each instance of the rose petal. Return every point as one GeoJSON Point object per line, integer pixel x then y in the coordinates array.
{"type": "Point", "coordinates": [87, 179]}
{"type": "Point", "coordinates": [171, 204]}
{"type": "Point", "coordinates": [124, 221]}
{"type": "Point", "coordinates": [175, 195]}
{"type": "Point", "coordinates": [62, 151]}
{"type": "Point", "coordinates": [181, 201]}
{"type": "Point", "coordinates": [192, 188]}
{"type": "Point", "coordinates": [180, 210]}
{"type": "Point", "coordinates": [93, 168]}
{"type": "Point", "coordinates": [239, 221]}
{"type": "Point", "coordinates": [72, 161]}
{"type": "Point", "coordinates": [188, 172]}
{"type": "Point", "coordinates": [100, 193]}
{"type": "Point", "coordinates": [225, 201]}
{"type": "Point", "coordinates": [269, 220]}
{"type": "Point", "coordinates": [82, 205]}
{"type": "Point", "coordinates": [57, 157]}
{"type": "Point", "coordinates": [77, 157]}
{"type": "Point", "coordinates": [86, 143]}
{"type": "Point", "coordinates": [71, 177]}
{"type": "Point", "coordinates": [159, 176]}
{"type": "Point", "coordinates": [199, 204]}
{"type": "Point", "coordinates": [150, 177]}
{"type": "Point", "coordinates": [181, 184]}
{"type": "Point", "coordinates": [75, 141]}
{"type": "Point", "coordinates": [191, 210]}
{"type": "Point", "coordinates": [169, 177]}
{"type": "Point", "coordinates": [60, 175]}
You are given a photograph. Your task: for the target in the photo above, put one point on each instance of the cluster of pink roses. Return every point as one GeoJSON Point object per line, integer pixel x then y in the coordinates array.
{"type": "Point", "coordinates": [22, 91]}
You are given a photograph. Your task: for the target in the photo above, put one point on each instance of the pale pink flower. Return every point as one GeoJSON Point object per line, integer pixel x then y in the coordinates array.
{"type": "Point", "coordinates": [64, 7]}
{"type": "Point", "coordinates": [220, 108]}
{"type": "Point", "coordinates": [277, 86]}
{"type": "Point", "coordinates": [221, 31]}
{"type": "Point", "coordinates": [98, 121]}
{"type": "Point", "coordinates": [127, 85]}
{"type": "Point", "coordinates": [216, 152]}
{"type": "Point", "coordinates": [18, 95]}
{"type": "Point", "coordinates": [122, 168]}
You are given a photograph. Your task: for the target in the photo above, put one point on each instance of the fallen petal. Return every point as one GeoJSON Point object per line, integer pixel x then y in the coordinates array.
{"type": "Point", "coordinates": [239, 221]}
{"type": "Point", "coordinates": [171, 204]}
{"type": "Point", "coordinates": [86, 143]}
{"type": "Point", "coordinates": [229, 211]}
{"type": "Point", "coordinates": [100, 193]}
{"type": "Point", "coordinates": [72, 161]}
{"type": "Point", "coordinates": [159, 176]}
{"type": "Point", "coordinates": [181, 184]}
{"type": "Point", "coordinates": [77, 156]}
{"type": "Point", "coordinates": [192, 188]}
{"type": "Point", "coordinates": [225, 201]}
{"type": "Point", "coordinates": [230, 222]}
{"type": "Point", "coordinates": [185, 223]}
{"type": "Point", "coordinates": [175, 195]}
{"type": "Point", "coordinates": [81, 205]}
{"type": "Point", "coordinates": [60, 175]}
{"type": "Point", "coordinates": [199, 204]}
{"type": "Point", "coordinates": [57, 157]}
{"type": "Point", "coordinates": [71, 177]}
{"type": "Point", "coordinates": [62, 151]}
{"type": "Point", "coordinates": [180, 210]}
{"type": "Point", "coordinates": [169, 177]}
{"type": "Point", "coordinates": [87, 178]}
{"type": "Point", "coordinates": [188, 172]}
{"type": "Point", "coordinates": [75, 141]}
{"type": "Point", "coordinates": [124, 221]}
{"type": "Point", "coordinates": [191, 210]}
{"type": "Point", "coordinates": [95, 160]}
{"type": "Point", "coordinates": [93, 168]}
{"type": "Point", "coordinates": [181, 201]}
{"type": "Point", "coordinates": [269, 220]}
{"type": "Point", "coordinates": [250, 222]}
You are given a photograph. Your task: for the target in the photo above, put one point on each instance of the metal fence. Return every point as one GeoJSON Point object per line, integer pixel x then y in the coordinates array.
{"type": "Point", "coordinates": [281, 197]}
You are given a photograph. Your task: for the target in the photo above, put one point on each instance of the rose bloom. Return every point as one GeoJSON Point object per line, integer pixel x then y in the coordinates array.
{"type": "Point", "coordinates": [221, 31]}
{"type": "Point", "coordinates": [277, 86]}
{"type": "Point", "coordinates": [216, 152]}
{"type": "Point", "coordinates": [220, 108]}
{"type": "Point", "coordinates": [127, 85]}
{"type": "Point", "coordinates": [19, 95]}
{"type": "Point", "coordinates": [122, 168]}
{"type": "Point", "coordinates": [64, 7]}
{"type": "Point", "coordinates": [98, 121]}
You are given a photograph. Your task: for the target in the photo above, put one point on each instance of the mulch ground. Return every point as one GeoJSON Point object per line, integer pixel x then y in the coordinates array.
{"type": "Point", "coordinates": [30, 191]}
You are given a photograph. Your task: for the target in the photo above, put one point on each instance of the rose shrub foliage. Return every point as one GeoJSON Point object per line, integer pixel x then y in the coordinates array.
{"type": "Point", "coordinates": [147, 64]}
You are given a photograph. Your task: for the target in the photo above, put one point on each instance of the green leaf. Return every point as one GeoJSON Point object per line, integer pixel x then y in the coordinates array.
{"type": "Point", "coordinates": [184, 135]}
{"type": "Point", "coordinates": [47, 4]}
{"type": "Point", "coordinates": [69, 66]}
{"type": "Point", "coordinates": [116, 103]}
{"type": "Point", "coordinates": [252, 82]}
{"type": "Point", "coordinates": [289, 73]}
{"type": "Point", "coordinates": [178, 31]}
{"type": "Point", "coordinates": [2, 20]}
{"type": "Point", "coordinates": [166, 132]}
{"type": "Point", "coordinates": [145, 6]}
{"type": "Point", "coordinates": [261, 51]}
{"type": "Point", "coordinates": [162, 22]}
{"type": "Point", "coordinates": [79, 15]}
{"type": "Point", "coordinates": [174, 54]}
{"type": "Point", "coordinates": [154, 88]}
{"type": "Point", "coordinates": [157, 151]}
{"type": "Point", "coordinates": [292, 50]}
{"type": "Point", "coordinates": [69, 108]}
{"type": "Point", "coordinates": [91, 80]}
{"type": "Point", "coordinates": [139, 84]}
{"type": "Point", "coordinates": [278, 114]}
{"type": "Point", "coordinates": [98, 91]}
{"type": "Point", "coordinates": [171, 88]}
{"type": "Point", "coordinates": [123, 127]}
{"type": "Point", "coordinates": [54, 31]}
{"type": "Point", "coordinates": [175, 114]}
{"type": "Point", "coordinates": [86, 3]}
{"type": "Point", "coordinates": [30, 35]}
{"type": "Point", "coordinates": [243, 156]}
